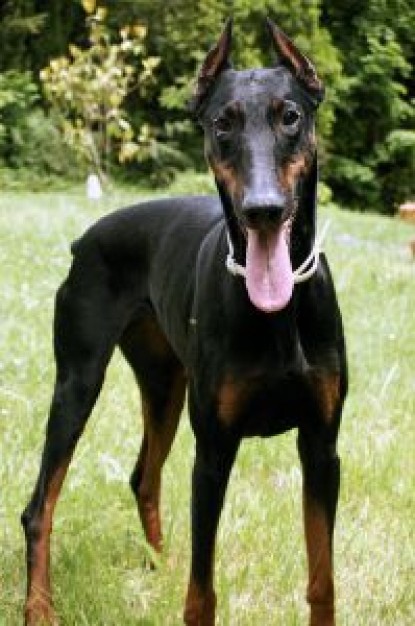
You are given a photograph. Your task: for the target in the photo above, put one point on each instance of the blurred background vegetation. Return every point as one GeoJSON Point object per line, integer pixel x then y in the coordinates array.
{"type": "Point", "coordinates": [101, 86]}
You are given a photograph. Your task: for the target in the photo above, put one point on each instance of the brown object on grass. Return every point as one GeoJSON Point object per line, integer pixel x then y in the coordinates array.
{"type": "Point", "coordinates": [407, 211]}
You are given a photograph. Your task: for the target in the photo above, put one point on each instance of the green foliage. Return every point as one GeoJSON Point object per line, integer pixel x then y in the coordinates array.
{"type": "Point", "coordinates": [18, 21]}
{"type": "Point", "coordinates": [371, 146]}
{"type": "Point", "coordinates": [395, 159]}
{"type": "Point", "coordinates": [41, 149]}
{"type": "Point", "coordinates": [18, 94]}
{"type": "Point", "coordinates": [29, 139]}
{"type": "Point", "coordinates": [88, 88]}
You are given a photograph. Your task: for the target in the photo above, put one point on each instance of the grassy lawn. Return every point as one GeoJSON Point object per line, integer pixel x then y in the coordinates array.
{"type": "Point", "coordinates": [98, 545]}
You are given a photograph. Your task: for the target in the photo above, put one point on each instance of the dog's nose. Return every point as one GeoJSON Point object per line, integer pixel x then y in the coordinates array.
{"type": "Point", "coordinates": [258, 216]}
{"type": "Point", "coordinates": [266, 211]}
{"type": "Point", "coordinates": [263, 209]}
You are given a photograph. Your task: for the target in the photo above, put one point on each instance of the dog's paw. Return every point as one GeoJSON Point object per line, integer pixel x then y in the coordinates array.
{"type": "Point", "coordinates": [38, 612]}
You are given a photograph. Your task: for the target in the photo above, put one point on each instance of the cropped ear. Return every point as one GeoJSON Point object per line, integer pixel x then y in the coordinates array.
{"type": "Point", "coordinates": [297, 62]}
{"type": "Point", "coordinates": [217, 60]}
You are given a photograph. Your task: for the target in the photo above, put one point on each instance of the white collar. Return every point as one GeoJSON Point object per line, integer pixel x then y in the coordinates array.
{"type": "Point", "coordinates": [301, 274]}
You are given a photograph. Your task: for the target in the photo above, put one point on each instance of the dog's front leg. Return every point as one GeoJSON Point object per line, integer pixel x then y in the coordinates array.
{"type": "Point", "coordinates": [211, 472]}
{"type": "Point", "coordinates": [321, 477]}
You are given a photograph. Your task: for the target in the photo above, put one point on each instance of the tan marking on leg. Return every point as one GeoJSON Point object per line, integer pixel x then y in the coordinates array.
{"type": "Point", "coordinates": [160, 438]}
{"type": "Point", "coordinates": [155, 340]}
{"type": "Point", "coordinates": [200, 606]}
{"type": "Point", "coordinates": [149, 488]}
{"type": "Point", "coordinates": [39, 612]}
{"type": "Point", "coordinates": [320, 590]}
{"type": "Point", "coordinates": [38, 608]}
{"type": "Point", "coordinates": [327, 389]}
{"type": "Point", "coordinates": [228, 402]}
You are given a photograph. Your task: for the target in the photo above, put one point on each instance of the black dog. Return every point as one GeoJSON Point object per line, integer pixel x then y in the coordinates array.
{"type": "Point", "coordinates": [260, 353]}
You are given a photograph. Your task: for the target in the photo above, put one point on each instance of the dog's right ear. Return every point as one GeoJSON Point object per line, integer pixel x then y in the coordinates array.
{"type": "Point", "coordinates": [217, 60]}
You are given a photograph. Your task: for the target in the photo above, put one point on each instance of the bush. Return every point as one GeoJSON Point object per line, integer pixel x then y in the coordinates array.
{"type": "Point", "coordinates": [29, 139]}
{"type": "Point", "coordinates": [18, 94]}
{"type": "Point", "coordinates": [88, 88]}
{"type": "Point", "coordinates": [39, 147]}
{"type": "Point", "coordinates": [396, 166]}
{"type": "Point", "coordinates": [371, 150]}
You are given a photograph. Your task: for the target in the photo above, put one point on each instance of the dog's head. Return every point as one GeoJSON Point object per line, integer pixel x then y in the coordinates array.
{"type": "Point", "coordinates": [260, 143]}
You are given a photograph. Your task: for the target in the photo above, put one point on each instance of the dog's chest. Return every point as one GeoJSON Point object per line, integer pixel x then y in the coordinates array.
{"type": "Point", "coordinates": [260, 403]}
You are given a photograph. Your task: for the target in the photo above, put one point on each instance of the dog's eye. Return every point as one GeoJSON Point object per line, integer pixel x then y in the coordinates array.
{"type": "Point", "coordinates": [222, 127]}
{"type": "Point", "coordinates": [291, 119]}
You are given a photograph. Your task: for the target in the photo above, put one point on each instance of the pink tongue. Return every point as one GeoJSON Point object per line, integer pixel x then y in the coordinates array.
{"type": "Point", "coordinates": [269, 275]}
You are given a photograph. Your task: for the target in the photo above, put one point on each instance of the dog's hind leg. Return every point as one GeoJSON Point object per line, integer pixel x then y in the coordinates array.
{"type": "Point", "coordinates": [162, 384]}
{"type": "Point", "coordinates": [84, 340]}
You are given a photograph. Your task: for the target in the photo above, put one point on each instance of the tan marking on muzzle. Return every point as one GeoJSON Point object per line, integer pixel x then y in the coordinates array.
{"type": "Point", "coordinates": [226, 175]}
{"type": "Point", "coordinates": [289, 173]}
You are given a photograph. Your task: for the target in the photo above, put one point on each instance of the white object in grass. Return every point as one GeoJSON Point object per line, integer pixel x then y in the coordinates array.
{"type": "Point", "coordinates": [93, 187]}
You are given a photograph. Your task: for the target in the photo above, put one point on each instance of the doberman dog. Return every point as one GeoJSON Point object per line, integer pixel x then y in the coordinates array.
{"type": "Point", "coordinates": [260, 353]}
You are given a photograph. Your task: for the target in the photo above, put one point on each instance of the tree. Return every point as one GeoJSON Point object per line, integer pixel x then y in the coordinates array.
{"type": "Point", "coordinates": [373, 143]}
{"type": "Point", "coordinates": [19, 21]}
{"type": "Point", "coordinates": [88, 88]}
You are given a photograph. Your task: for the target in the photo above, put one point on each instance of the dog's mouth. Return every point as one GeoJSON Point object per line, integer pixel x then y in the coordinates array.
{"type": "Point", "coordinates": [269, 276]}
{"type": "Point", "coordinates": [268, 273]}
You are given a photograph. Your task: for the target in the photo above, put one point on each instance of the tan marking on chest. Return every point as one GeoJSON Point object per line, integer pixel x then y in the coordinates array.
{"type": "Point", "coordinates": [232, 398]}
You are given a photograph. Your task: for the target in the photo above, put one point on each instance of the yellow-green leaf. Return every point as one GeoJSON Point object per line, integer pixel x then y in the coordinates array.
{"type": "Point", "coordinates": [140, 31]}
{"type": "Point", "coordinates": [89, 5]}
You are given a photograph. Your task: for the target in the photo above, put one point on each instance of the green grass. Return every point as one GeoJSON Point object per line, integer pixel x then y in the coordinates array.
{"type": "Point", "coordinates": [98, 545]}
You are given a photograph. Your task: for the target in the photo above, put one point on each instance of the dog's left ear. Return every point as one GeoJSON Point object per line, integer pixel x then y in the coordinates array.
{"type": "Point", "coordinates": [217, 60]}
{"type": "Point", "coordinates": [297, 62]}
